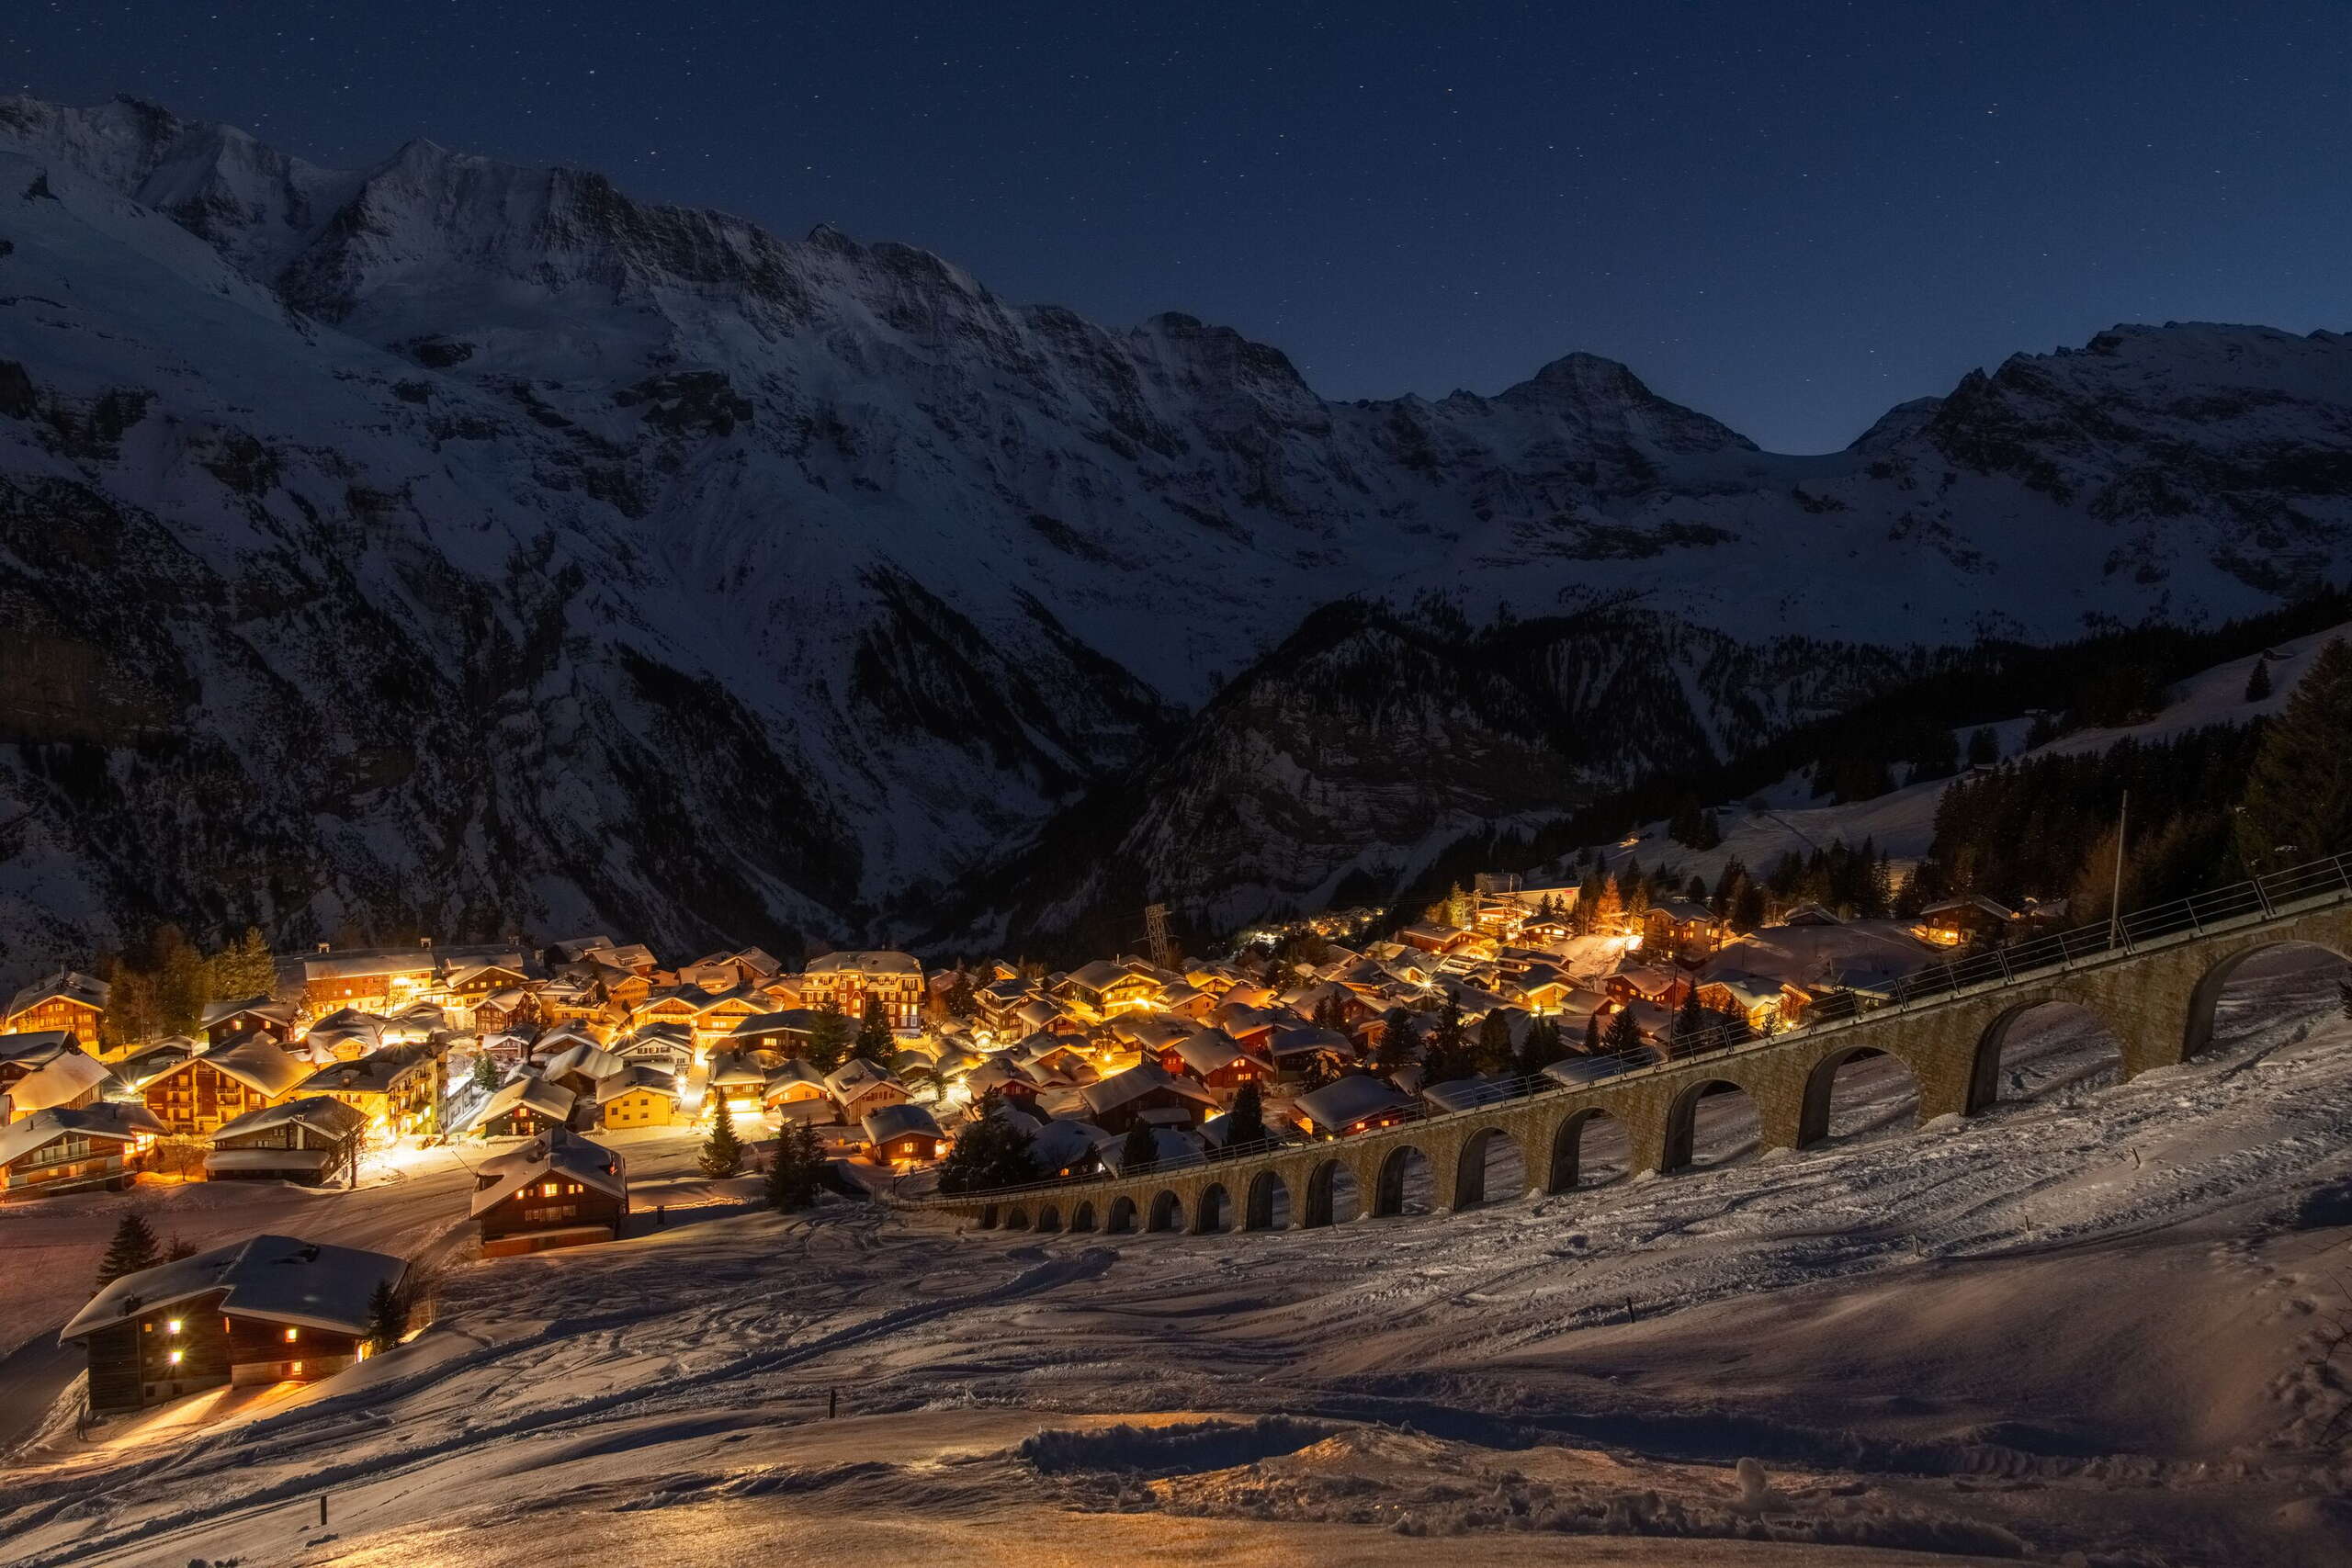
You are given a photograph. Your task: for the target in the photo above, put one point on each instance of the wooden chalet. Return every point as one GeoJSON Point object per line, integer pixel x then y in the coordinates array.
{"type": "Point", "coordinates": [68, 1001]}
{"type": "Point", "coordinates": [224, 1020]}
{"type": "Point", "coordinates": [1146, 1093]}
{"type": "Point", "coordinates": [558, 1189]}
{"type": "Point", "coordinates": [268, 1309]}
{"type": "Point", "coordinates": [902, 1135]}
{"type": "Point", "coordinates": [312, 1142]}
{"type": "Point", "coordinates": [1103, 990]}
{"type": "Point", "coordinates": [861, 1088]}
{"type": "Point", "coordinates": [221, 1084]}
{"type": "Point", "coordinates": [524, 1108]}
{"type": "Point", "coordinates": [48, 1070]}
{"type": "Point", "coordinates": [64, 1150]}
{"type": "Point", "coordinates": [1349, 1105]}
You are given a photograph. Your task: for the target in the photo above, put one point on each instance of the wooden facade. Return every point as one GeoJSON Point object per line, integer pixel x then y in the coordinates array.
{"type": "Point", "coordinates": [197, 1097]}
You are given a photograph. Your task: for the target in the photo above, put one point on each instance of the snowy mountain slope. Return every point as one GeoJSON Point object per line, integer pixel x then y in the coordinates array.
{"type": "Point", "coordinates": [528, 553]}
{"type": "Point", "coordinates": [1787, 819]}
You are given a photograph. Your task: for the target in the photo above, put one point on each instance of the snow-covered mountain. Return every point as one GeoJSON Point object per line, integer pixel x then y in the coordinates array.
{"type": "Point", "coordinates": [450, 544]}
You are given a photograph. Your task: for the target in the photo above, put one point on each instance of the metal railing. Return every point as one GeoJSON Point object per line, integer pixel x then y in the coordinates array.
{"type": "Point", "coordinates": [2295, 891]}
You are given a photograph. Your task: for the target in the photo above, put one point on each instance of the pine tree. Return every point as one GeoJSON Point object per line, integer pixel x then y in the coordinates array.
{"type": "Point", "coordinates": [2299, 794]}
{"type": "Point", "coordinates": [1141, 1150]}
{"type": "Point", "coordinates": [989, 1151]}
{"type": "Point", "coordinates": [828, 1037]}
{"type": "Point", "coordinates": [387, 1317]}
{"type": "Point", "coordinates": [177, 1246]}
{"type": "Point", "coordinates": [1540, 1049]}
{"type": "Point", "coordinates": [243, 968]}
{"type": "Point", "coordinates": [722, 1152]}
{"type": "Point", "coordinates": [1625, 1035]}
{"type": "Point", "coordinates": [486, 1073]}
{"type": "Point", "coordinates": [960, 1002]}
{"type": "Point", "coordinates": [1747, 909]}
{"type": "Point", "coordinates": [1245, 1119]}
{"type": "Point", "coordinates": [1494, 1050]}
{"type": "Point", "coordinates": [874, 1041]}
{"type": "Point", "coordinates": [1692, 1020]}
{"type": "Point", "coordinates": [1592, 1042]}
{"type": "Point", "coordinates": [2257, 679]}
{"type": "Point", "coordinates": [1398, 1043]}
{"type": "Point", "coordinates": [133, 1248]}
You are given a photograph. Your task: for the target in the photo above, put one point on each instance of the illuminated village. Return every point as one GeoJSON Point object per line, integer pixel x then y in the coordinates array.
{"type": "Point", "coordinates": [545, 1068]}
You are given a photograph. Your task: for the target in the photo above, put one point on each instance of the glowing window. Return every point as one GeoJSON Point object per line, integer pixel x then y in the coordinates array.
{"type": "Point", "coordinates": [292, 1335]}
{"type": "Point", "coordinates": [293, 1368]}
{"type": "Point", "coordinates": [175, 1357]}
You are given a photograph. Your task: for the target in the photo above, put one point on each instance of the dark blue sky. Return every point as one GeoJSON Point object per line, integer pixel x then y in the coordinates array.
{"type": "Point", "coordinates": [1788, 213]}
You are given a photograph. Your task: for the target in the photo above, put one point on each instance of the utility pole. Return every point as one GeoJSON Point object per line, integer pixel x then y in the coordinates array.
{"type": "Point", "coordinates": [1155, 931]}
{"type": "Point", "coordinates": [2115, 893]}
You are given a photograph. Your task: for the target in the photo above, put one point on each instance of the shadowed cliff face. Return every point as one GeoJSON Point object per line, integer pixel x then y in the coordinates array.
{"type": "Point", "coordinates": [493, 549]}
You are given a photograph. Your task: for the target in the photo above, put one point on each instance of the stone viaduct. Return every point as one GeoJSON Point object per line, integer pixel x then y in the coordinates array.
{"type": "Point", "coordinates": [2157, 998]}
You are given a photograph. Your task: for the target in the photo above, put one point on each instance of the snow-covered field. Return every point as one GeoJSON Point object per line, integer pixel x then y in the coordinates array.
{"type": "Point", "coordinates": [2089, 1322]}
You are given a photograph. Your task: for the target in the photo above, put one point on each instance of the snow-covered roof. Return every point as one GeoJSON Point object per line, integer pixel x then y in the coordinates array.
{"type": "Point", "coordinates": [586, 1057]}
{"type": "Point", "coordinates": [69, 985]}
{"type": "Point", "coordinates": [857, 1078]}
{"type": "Point", "coordinates": [110, 1119]}
{"type": "Point", "coordinates": [60, 1079]}
{"type": "Point", "coordinates": [878, 962]}
{"type": "Point", "coordinates": [633, 1078]}
{"type": "Point", "coordinates": [258, 1062]}
{"type": "Point", "coordinates": [1060, 1144]}
{"type": "Point", "coordinates": [555, 1152]}
{"type": "Point", "coordinates": [275, 1277]}
{"type": "Point", "coordinates": [527, 1093]}
{"type": "Point", "coordinates": [328, 1118]}
{"type": "Point", "coordinates": [36, 1046]}
{"type": "Point", "coordinates": [1110, 1093]}
{"type": "Point", "coordinates": [898, 1121]}
{"type": "Point", "coordinates": [1347, 1100]}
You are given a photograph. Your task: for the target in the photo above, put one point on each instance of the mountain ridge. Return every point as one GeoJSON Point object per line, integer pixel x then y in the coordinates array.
{"type": "Point", "coordinates": [643, 512]}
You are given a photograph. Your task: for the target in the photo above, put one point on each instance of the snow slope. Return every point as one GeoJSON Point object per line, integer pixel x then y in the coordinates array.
{"type": "Point", "coordinates": [1782, 819]}
{"type": "Point", "coordinates": [2089, 1322]}
{"type": "Point", "coordinates": [485, 545]}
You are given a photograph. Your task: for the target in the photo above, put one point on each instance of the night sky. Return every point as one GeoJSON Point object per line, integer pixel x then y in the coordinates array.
{"type": "Point", "coordinates": [1790, 214]}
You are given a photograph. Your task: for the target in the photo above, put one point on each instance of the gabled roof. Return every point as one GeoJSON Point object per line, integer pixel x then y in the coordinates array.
{"type": "Point", "coordinates": [634, 1078]}
{"type": "Point", "coordinates": [1059, 1143]}
{"type": "Point", "coordinates": [37, 1047]}
{"type": "Point", "coordinates": [793, 1071]}
{"type": "Point", "coordinates": [1103, 973]}
{"type": "Point", "coordinates": [257, 1061]}
{"type": "Point", "coordinates": [373, 1074]}
{"type": "Point", "coordinates": [1462, 1094]}
{"type": "Point", "coordinates": [272, 1276]}
{"type": "Point", "coordinates": [67, 984]}
{"type": "Point", "coordinates": [856, 1078]}
{"type": "Point", "coordinates": [116, 1121]}
{"type": "Point", "coordinates": [788, 1020]}
{"type": "Point", "coordinates": [877, 963]}
{"type": "Point", "coordinates": [1117, 1089]}
{"type": "Point", "coordinates": [898, 1121]}
{"type": "Point", "coordinates": [1208, 1053]}
{"type": "Point", "coordinates": [62, 1077]}
{"type": "Point", "coordinates": [583, 1058]}
{"type": "Point", "coordinates": [527, 1093]}
{"type": "Point", "coordinates": [1344, 1101]}
{"type": "Point", "coordinates": [557, 1153]}
{"type": "Point", "coordinates": [263, 1006]}
{"type": "Point", "coordinates": [328, 1118]}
